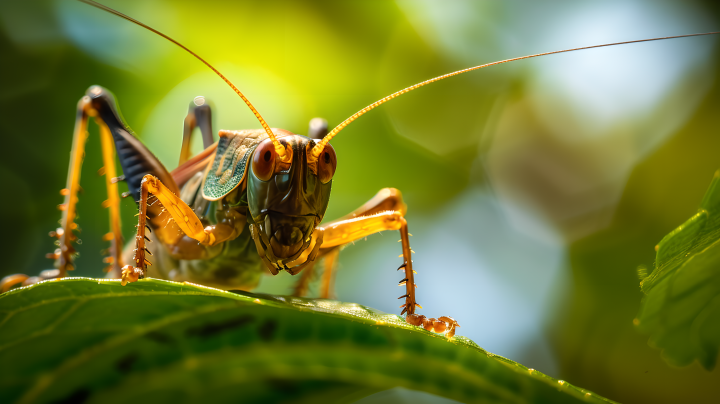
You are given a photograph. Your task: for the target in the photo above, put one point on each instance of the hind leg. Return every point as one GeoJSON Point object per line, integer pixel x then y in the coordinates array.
{"type": "Point", "coordinates": [65, 234]}
{"type": "Point", "coordinates": [136, 162]}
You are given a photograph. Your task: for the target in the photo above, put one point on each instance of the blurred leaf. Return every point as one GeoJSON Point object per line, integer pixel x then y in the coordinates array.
{"type": "Point", "coordinates": [94, 340]}
{"type": "Point", "coordinates": [681, 311]}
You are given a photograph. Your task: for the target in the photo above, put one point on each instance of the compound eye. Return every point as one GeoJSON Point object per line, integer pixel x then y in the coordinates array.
{"type": "Point", "coordinates": [327, 162]}
{"type": "Point", "coordinates": [263, 164]}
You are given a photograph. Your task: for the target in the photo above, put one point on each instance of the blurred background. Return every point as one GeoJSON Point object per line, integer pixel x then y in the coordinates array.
{"type": "Point", "coordinates": [535, 189]}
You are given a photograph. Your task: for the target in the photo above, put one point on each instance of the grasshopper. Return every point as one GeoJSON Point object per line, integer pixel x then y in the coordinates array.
{"type": "Point", "coordinates": [253, 201]}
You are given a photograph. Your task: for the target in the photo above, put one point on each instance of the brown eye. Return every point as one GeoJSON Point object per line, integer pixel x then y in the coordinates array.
{"type": "Point", "coordinates": [327, 162]}
{"type": "Point", "coordinates": [263, 164]}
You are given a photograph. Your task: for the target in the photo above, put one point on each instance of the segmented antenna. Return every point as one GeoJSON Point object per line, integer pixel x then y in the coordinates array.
{"type": "Point", "coordinates": [317, 150]}
{"type": "Point", "coordinates": [279, 148]}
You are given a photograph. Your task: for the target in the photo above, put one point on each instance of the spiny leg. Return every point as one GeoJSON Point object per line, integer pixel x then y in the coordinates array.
{"type": "Point", "coordinates": [230, 226]}
{"type": "Point", "coordinates": [89, 106]}
{"type": "Point", "coordinates": [358, 226]}
{"type": "Point", "coordinates": [183, 216]}
{"type": "Point", "coordinates": [346, 231]}
{"type": "Point", "coordinates": [64, 254]}
{"type": "Point", "coordinates": [132, 273]}
{"type": "Point", "coordinates": [136, 161]}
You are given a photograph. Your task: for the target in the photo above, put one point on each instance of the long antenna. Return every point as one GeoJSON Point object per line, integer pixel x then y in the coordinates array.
{"type": "Point", "coordinates": [317, 150]}
{"type": "Point", "coordinates": [279, 148]}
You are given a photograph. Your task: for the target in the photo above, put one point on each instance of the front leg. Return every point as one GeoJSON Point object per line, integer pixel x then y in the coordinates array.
{"type": "Point", "coordinates": [186, 220]}
{"type": "Point", "coordinates": [358, 226]}
{"type": "Point", "coordinates": [349, 230]}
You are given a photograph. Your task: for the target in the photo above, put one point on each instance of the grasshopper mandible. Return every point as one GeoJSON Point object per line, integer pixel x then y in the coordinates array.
{"type": "Point", "coordinates": [254, 194]}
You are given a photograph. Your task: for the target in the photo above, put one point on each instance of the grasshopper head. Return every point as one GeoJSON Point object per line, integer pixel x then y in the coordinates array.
{"type": "Point", "coordinates": [287, 201]}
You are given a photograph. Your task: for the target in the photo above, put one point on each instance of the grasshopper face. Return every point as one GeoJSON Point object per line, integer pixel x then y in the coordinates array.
{"type": "Point", "coordinates": [287, 201]}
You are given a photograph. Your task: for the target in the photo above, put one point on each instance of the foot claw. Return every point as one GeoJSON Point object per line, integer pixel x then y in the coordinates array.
{"type": "Point", "coordinates": [131, 274]}
{"type": "Point", "coordinates": [415, 319]}
{"type": "Point", "coordinates": [443, 324]}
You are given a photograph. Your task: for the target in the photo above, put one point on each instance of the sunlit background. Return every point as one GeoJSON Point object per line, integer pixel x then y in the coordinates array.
{"type": "Point", "coordinates": [535, 189]}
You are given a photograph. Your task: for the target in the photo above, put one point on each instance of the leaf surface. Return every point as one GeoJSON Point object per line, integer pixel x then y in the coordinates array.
{"type": "Point", "coordinates": [681, 309]}
{"type": "Point", "coordinates": [80, 339]}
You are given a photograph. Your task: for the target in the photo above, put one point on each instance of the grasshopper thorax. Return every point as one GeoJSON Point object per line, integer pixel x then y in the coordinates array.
{"type": "Point", "coordinates": [288, 200]}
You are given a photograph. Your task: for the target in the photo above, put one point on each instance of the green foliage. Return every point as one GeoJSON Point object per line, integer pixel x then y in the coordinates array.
{"type": "Point", "coordinates": [681, 311]}
{"type": "Point", "coordinates": [84, 339]}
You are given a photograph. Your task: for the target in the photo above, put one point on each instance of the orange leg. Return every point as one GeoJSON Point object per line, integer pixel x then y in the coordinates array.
{"type": "Point", "coordinates": [136, 161]}
{"type": "Point", "coordinates": [326, 282]}
{"type": "Point", "coordinates": [230, 225]}
{"type": "Point", "coordinates": [65, 234]}
{"type": "Point", "coordinates": [386, 211]}
{"type": "Point", "coordinates": [113, 202]}
{"type": "Point", "coordinates": [64, 254]}
{"type": "Point", "coordinates": [183, 216]}
{"type": "Point", "coordinates": [346, 231]}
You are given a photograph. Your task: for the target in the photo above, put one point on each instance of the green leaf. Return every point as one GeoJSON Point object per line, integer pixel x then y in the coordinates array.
{"type": "Point", "coordinates": [681, 309]}
{"type": "Point", "coordinates": [81, 339]}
